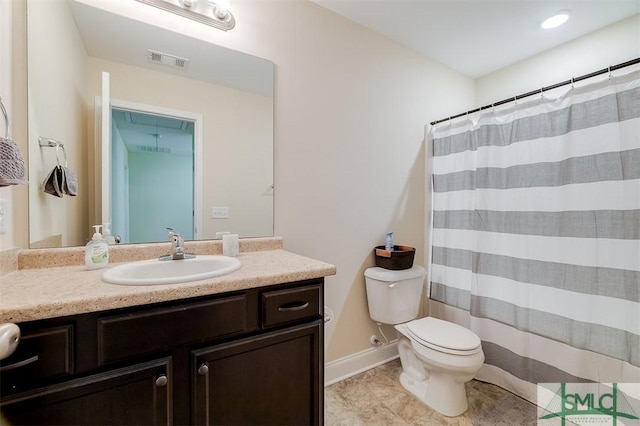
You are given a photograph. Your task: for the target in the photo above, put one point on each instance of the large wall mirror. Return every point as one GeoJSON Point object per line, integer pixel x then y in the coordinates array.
{"type": "Point", "coordinates": [159, 129]}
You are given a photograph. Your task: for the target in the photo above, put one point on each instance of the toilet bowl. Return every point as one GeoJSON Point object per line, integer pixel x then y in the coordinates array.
{"type": "Point", "coordinates": [438, 357]}
{"type": "Point", "coordinates": [436, 374]}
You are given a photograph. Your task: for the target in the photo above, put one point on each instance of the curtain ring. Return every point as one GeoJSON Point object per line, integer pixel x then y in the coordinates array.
{"type": "Point", "coordinates": [542, 93]}
{"type": "Point", "coordinates": [572, 86]}
{"type": "Point", "coordinates": [610, 75]}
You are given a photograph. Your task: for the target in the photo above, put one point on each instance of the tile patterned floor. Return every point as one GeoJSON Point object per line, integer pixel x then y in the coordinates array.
{"type": "Point", "coordinates": [376, 397]}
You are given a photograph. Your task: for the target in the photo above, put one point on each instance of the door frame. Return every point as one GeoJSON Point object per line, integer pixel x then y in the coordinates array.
{"type": "Point", "coordinates": [198, 120]}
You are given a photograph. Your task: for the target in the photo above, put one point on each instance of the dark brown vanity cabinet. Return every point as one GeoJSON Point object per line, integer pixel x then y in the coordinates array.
{"type": "Point", "coordinates": [249, 357]}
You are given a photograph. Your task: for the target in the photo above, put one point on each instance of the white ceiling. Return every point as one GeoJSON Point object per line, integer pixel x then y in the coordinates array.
{"type": "Point", "coordinates": [477, 37]}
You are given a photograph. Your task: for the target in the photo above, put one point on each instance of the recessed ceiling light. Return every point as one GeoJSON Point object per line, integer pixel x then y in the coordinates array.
{"type": "Point", "coordinates": [556, 20]}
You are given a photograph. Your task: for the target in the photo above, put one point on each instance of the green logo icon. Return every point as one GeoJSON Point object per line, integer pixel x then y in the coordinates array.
{"type": "Point", "coordinates": [580, 406]}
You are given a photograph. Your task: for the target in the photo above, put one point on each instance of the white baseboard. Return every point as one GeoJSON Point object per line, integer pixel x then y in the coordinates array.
{"type": "Point", "coordinates": [359, 362]}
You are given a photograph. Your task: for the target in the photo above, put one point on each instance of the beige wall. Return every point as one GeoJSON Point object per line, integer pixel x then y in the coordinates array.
{"type": "Point", "coordinates": [350, 117]}
{"type": "Point", "coordinates": [237, 140]}
{"type": "Point", "coordinates": [6, 193]}
{"type": "Point", "coordinates": [12, 89]}
{"type": "Point", "coordinates": [57, 111]}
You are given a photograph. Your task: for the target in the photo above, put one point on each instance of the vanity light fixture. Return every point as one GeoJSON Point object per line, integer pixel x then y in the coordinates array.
{"type": "Point", "coordinates": [216, 14]}
{"type": "Point", "coordinates": [556, 20]}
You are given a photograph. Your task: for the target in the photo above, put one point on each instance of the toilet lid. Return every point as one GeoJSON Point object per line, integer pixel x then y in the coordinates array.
{"type": "Point", "coordinates": [439, 334]}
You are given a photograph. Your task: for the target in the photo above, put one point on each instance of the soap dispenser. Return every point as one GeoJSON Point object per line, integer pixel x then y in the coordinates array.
{"type": "Point", "coordinates": [106, 234]}
{"type": "Point", "coordinates": [96, 253]}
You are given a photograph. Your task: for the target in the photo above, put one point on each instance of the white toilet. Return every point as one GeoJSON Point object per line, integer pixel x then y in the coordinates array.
{"type": "Point", "coordinates": [438, 357]}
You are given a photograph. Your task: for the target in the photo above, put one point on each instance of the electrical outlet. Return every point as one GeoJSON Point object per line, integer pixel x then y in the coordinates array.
{"type": "Point", "coordinates": [219, 212]}
{"type": "Point", "coordinates": [4, 216]}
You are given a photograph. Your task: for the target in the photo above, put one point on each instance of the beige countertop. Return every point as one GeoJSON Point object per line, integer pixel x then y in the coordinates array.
{"type": "Point", "coordinates": [31, 294]}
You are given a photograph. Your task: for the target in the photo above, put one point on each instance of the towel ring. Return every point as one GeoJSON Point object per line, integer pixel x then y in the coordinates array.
{"type": "Point", "coordinates": [51, 143]}
{"type": "Point", "coordinates": [7, 133]}
{"type": "Point", "coordinates": [63, 152]}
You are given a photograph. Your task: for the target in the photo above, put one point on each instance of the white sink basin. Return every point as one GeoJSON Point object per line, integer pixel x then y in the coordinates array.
{"type": "Point", "coordinates": [154, 271]}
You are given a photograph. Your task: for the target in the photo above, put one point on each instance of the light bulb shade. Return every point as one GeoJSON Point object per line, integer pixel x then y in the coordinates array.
{"type": "Point", "coordinates": [222, 8]}
{"type": "Point", "coordinates": [204, 11]}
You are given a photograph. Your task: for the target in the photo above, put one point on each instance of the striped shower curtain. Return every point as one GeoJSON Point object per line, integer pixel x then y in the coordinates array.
{"type": "Point", "coordinates": [536, 236]}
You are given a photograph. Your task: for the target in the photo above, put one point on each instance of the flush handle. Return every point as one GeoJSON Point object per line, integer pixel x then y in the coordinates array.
{"type": "Point", "coordinates": [392, 285]}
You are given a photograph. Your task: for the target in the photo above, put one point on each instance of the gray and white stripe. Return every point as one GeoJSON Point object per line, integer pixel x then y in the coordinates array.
{"type": "Point", "coordinates": [610, 108]}
{"type": "Point", "coordinates": [536, 236]}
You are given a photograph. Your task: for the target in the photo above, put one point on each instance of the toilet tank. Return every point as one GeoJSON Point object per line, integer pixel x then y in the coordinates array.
{"type": "Point", "coordinates": [394, 296]}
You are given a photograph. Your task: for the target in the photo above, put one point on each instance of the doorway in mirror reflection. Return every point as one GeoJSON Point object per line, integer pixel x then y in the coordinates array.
{"type": "Point", "coordinates": [152, 175]}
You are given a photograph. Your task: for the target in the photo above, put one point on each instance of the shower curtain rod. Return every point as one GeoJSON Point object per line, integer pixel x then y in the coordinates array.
{"type": "Point", "coordinates": [544, 89]}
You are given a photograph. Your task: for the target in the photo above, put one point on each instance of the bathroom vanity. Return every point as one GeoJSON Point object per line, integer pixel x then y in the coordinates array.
{"type": "Point", "coordinates": [236, 350]}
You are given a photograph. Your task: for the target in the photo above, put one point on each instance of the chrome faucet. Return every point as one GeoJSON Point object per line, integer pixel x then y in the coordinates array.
{"type": "Point", "coordinates": [177, 245]}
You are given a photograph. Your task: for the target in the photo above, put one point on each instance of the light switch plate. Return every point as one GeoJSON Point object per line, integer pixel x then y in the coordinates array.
{"type": "Point", "coordinates": [219, 212]}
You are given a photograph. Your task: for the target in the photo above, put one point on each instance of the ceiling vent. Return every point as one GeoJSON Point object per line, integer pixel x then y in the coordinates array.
{"type": "Point", "coordinates": [145, 148]}
{"type": "Point", "coordinates": [167, 60]}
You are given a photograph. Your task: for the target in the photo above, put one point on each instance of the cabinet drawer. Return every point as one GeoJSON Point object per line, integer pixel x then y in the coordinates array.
{"type": "Point", "coordinates": [144, 332]}
{"type": "Point", "coordinates": [41, 354]}
{"type": "Point", "coordinates": [292, 304]}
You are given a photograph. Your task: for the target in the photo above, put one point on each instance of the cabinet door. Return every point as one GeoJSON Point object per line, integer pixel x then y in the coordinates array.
{"type": "Point", "coordinates": [140, 394]}
{"type": "Point", "coordinates": [275, 378]}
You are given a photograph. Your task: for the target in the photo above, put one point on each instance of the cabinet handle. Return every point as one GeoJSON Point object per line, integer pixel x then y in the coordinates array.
{"type": "Point", "coordinates": [203, 370]}
{"type": "Point", "coordinates": [296, 306]}
{"type": "Point", "coordinates": [161, 381]}
{"type": "Point", "coordinates": [19, 363]}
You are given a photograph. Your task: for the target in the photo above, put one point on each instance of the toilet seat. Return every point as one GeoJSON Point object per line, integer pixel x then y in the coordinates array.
{"type": "Point", "coordinates": [444, 336]}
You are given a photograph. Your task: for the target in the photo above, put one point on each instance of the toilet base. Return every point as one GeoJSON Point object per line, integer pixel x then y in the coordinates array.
{"type": "Point", "coordinates": [447, 397]}
{"type": "Point", "coordinates": [441, 388]}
